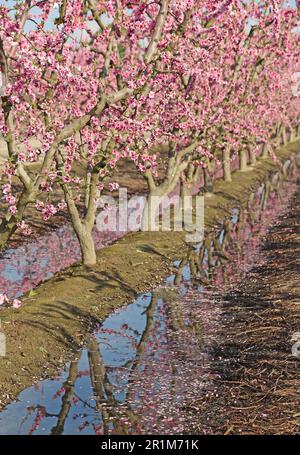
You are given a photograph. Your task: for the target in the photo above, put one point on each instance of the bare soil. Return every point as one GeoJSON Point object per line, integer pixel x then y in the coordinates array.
{"type": "Point", "coordinates": [257, 390]}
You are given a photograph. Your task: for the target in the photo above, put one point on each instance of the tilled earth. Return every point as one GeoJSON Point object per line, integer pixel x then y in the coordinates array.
{"type": "Point", "coordinates": [257, 386]}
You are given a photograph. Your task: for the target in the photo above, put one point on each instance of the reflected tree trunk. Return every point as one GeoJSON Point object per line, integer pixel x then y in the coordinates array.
{"type": "Point", "coordinates": [100, 383]}
{"type": "Point", "coordinates": [265, 196]}
{"type": "Point", "coordinates": [141, 347]}
{"type": "Point", "coordinates": [66, 399]}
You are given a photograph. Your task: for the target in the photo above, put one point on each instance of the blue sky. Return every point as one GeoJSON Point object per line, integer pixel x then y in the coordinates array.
{"type": "Point", "coordinates": [11, 3]}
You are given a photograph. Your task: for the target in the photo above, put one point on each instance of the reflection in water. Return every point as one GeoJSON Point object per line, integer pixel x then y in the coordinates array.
{"type": "Point", "coordinates": [141, 363]}
{"type": "Point", "coordinates": [148, 360]}
{"type": "Point", "coordinates": [29, 264]}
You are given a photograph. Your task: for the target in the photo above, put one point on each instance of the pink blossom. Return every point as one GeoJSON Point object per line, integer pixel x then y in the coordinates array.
{"type": "Point", "coordinates": [6, 188]}
{"type": "Point", "coordinates": [113, 186]}
{"type": "Point", "coordinates": [26, 230]}
{"type": "Point", "coordinates": [10, 199]}
{"type": "Point", "coordinates": [3, 299]}
{"type": "Point", "coordinates": [12, 209]}
{"type": "Point", "coordinates": [16, 303]}
{"type": "Point", "coordinates": [62, 206]}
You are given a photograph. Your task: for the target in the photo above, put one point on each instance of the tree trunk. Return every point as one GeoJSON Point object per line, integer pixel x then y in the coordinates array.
{"type": "Point", "coordinates": [150, 219]}
{"type": "Point", "coordinates": [208, 183]}
{"type": "Point", "coordinates": [157, 194]}
{"type": "Point", "coordinates": [252, 155]}
{"type": "Point", "coordinates": [278, 136]}
{"type": "Point", "coordinates": [284, 136]}
{"type": "Point", "coordinates": [186, 199]}
{"type": "Point", "coordinates": [293, 136]}
{"type": "Point", "coordinates": [243, 160]}
{"type": "Point", "coordinates": [226, 165]}
{"type": "Point", "coordinates": [265, 152]}
{"type": "Point", "coordinates": [185, 188]}
{"type": "Point", "coordinates": [87, 246]}
{"type": "Point", "coordinates": [83, 227]}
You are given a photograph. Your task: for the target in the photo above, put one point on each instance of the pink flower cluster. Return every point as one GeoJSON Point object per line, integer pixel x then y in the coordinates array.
{"type": "Point", "coordinates": [4, 300]}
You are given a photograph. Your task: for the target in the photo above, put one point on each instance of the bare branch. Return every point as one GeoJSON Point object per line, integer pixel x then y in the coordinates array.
{"type": "Point", "coordinates": [150, 179]}
{"type": "Point", "coordinates": [94, 10]}
{"type": "Point", "coordinates": [23, 20]}
{"type": "Point", "coordinates": [160, 22]}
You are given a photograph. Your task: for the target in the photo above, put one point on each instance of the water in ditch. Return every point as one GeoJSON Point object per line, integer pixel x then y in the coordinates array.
{"type": "Point", "coordinates": [146, 361]}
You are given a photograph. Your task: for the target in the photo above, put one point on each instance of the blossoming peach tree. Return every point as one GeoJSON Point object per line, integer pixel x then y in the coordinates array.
{"type": "Point", "coordinates": [86, 84]}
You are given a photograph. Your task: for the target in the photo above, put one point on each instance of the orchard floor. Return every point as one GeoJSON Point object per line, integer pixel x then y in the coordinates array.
{"type": "Point", "coordinates": [257, 390]}
{"type": "Point", "coordinates": [54, 323]}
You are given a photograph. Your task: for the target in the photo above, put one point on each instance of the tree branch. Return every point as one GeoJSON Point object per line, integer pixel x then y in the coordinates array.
{"type": "Point", "coordinates": [160, 22]}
